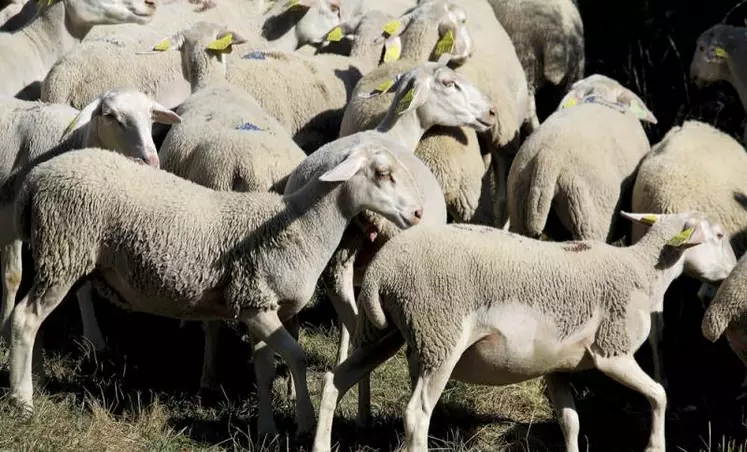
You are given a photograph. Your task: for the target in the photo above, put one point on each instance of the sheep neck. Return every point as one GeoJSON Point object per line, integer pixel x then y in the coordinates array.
{"type": "Point", "coordinates": [208, 73]}
{"type": "Point", "coordinates": [664, 264]}
{"type": "Point", "coordinates": [288, 42]}
{"type": "Point", "coordinates": [322, 211]}
{"type": "Point", "coordinates": [408, 129]}
{"type": "Point", "coordinates": [54, 32]}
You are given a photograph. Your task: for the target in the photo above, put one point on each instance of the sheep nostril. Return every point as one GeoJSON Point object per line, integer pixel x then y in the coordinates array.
{"type": "Point", "coordinates": [419, 213]}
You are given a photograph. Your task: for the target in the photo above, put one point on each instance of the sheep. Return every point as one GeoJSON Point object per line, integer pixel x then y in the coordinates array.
{"type": "Point", "coordinates": [494, 68]}
{"type": "Point", "coordinates": [429, 95]}
{"type": "Point", "coordinates": [29, 53]}
{"type": "Point", "coordinates": [580, 164]}
{"type": "Point", "coordinates": [119, 120]}
{"type": "Point", "coordinates": [181, 250]}
{"type": "Point", "coordinates": [355, 37]}
{"type": "Point", "coordinates": [549, 40]}
{"type": "Point", "coordinates": [122, 59]}
{"type": "Point", "coordinates": [693, 155]}
{"type": "Point", "coordinates": [726, 314]}
{"type": "Point", "coordinates": [719, 55]}
{"type": "Point", "coordinates": [226, 140]}
{"type": "Point", "coordinates": [578, 305]}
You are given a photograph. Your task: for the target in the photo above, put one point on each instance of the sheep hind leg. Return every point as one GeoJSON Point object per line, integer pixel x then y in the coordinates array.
{"type": "Point", "coordinates": [266, 326]}
{"type": "Point", "coordinates": [655, 338]}
{"type": "Point", "coordinates": [211, 333]}
{"type": "Point", "coordinates": [91, 330]}
{"type": "Point", "coordinates": [339, 380]}
{"type": "Point", "coordinates": [293, 325]}
{"type": "Point", "coordinates": [625, 370]}
{"type": "Point", "coordinates": [12, 270]}
{"type": "Point", "coordinates": [26, 321]}
{"type": "Point", "coordinates": [264, 370]}
{"type": "Point", "coordinates": [558, 386]}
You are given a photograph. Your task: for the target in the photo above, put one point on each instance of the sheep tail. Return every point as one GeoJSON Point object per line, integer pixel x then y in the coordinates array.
{"type": "Point", "coordinates": [369, 304]}
{"type": "Point", "coordinates": [714, 322]}
{"type": "Point", "coordinates": [540, 191]}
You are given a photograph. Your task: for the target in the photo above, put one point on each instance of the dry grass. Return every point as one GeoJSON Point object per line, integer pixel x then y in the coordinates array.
{"type": "Point", "coordinates": [136, 398]}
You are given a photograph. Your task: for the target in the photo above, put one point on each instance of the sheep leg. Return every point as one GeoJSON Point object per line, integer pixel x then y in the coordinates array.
{"type": "Point", "coordinates": [293, 325]}
{"type": "Point", "coordinates": [264, 370]}
{"type": "Point", "coordinates": [208, 379]}
{"type": "Point", "coordinates": [558, 386]}
{"type": "Point", "coordinates": [266, 326]}
{"type": "Point", "coordinates": [12, 269]}
{"type": "Point", "coordinates": [655, 337]}
{"type": "Point", "coordinates": [91, 330]}
{"type": "Point", "coordinates": [626, 371]}
{"type": "Point", "coordinates": [363, 419]}
{"type": "Point", "coordinates": [339, 380]}
{"type": "Point", "coordinates": [26, 320]}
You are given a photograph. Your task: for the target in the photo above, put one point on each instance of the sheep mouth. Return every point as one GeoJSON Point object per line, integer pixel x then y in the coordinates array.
{"type": "Point", "coordinates": [482, 125]}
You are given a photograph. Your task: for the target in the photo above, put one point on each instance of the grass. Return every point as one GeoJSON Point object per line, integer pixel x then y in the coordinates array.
{"type": "Point", "coordinates": [142, 394]}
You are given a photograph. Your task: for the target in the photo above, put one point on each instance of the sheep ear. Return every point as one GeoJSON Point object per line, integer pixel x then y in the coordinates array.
{"type": "Point", "coordinates": [225, 41]}
{"type": "Point", "coordinates": [636, 106]}
{"type": "Point", "coordinates": [642, 218]}
{"type": "Point", "coordinates": [688, 237]}
{"type": "Point", "coordinates": [174, 42]}
{"type": "Point", "coordinates": [163, 115]}
{"type": "Point", "coordinates": [345, 169]}
{"type": "Point", "coordinates": [82, 118]}
{"type": "Point", "coordinates": [413, 96]}
{"type": "Point", "coordinates": [572, 98]}
{"type": "Point", "coordinates": [392, 49]}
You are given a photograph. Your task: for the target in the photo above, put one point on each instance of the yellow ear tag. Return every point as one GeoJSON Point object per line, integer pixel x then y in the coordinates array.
{"type": "Point", "coordinates": [405, 101]}
{"type": "Point", "coordinates": [569, 103]}
{"type": "Point", "coordinates": [290, 4]}
{"type": "Point", "coordinates": [445, 44]}
{"type": "Point", "coordinates": [720, 52]}
{"type": "Point", "coordinates": [649, 219]}
{"type": "Point", "coordinates": [680, 238]}
{"type": "Point", "coordinates": [163, 45]}
{"type": "Point", "coordinates": [335, 35]}
{"type": "Point", "coordinates": [391, 27]}
{"type": "Point", "coordinates": [222, 43]}
{"type": "Point", "coordinates": [381, 89]}
{"type": "Point", "coordinates": [70, 126]}
{"type": "Point", "coordinates": [393, 49]}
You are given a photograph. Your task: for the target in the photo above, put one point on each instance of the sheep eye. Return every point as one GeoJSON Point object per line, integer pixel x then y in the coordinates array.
{"type": "Point", "coordinates": [719, 236]}
{"type": "Point", "coordinates": [448, 83]}
{"type": "Point", "coordinates": [383, 174]}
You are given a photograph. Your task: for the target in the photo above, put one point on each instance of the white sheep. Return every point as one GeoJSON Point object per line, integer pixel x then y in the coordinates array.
{"type": "Point", "coordinates": [720, 55]}
{"type": "Point", "coordinates": [727, 314]}
{"type": "Point", "coordinates": [693, 155]}
{"type": "Point", "coordinates": [548, 36]}
{"type": "Point", "coordinates": [177, 249]}
{"type": "Point", "coordinates": [486, 306]}
{"type": "Point", "coordinates": [429, 95]}
{"type": "Point", "coordinates": [119, 120]}
{"type": "Point", "coordinates": [28, 54]}
{"type": "Point", "coordinates": [579, 166]}
{"type": "Point", "coordinates": [125, 59]}
{"type": "Point", "coordinates": [225, 141]}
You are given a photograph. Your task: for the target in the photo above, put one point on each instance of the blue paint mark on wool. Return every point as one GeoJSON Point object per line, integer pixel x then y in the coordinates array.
{"type": "Point", "coordinates": [254, 55]}
{"type": "Point", "coordinates": [247, 126]}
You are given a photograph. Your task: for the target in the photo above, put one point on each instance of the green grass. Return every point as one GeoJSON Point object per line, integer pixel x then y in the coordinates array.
{"type": "Point", "coordinates": [142, 395]}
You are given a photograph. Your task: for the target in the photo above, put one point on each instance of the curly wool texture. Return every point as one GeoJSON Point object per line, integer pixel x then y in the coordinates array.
{"type": "Point", "coordinates": [309, 104]}
{"type": "Point", "coordinates": [696, 167]}
{"type": "Point", "coordinates": [226, 141]}
{"type": "Point", "coordinates": [171, 247]}
{"type": "Point", "coordinates": [548, 37]}
{"type": "Point", "coordinates": [580, 164]}
{"type": "Point", "coordinates": [425, 280]}
{"type": "Point", "coordinates": [728, 310]}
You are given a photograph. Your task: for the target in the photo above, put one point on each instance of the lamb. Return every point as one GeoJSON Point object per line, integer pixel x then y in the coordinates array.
{"type": "Point", "coordinates": [580, 305]}
{"type": "Point", "coordinates": [120, 60]}
{"type": "Point", "coordinates": [177, 249]}
{"type": "Point", "coordinates": [580, 164]}
{"type": "Point", "coordinates": [726, 314]}
{"type": "Point", "coordinates": [429, 95]}
{"type": "Point", "coordinates": [29, 53]}
{"type": "Point", "coordinates": [495, 69]}
{"type": "Point", "coordinates": [226, 140]}
{"type": "Point", "coordinates": [119, 120]}
{"type": "Point", "coordinates": [719, 55]}
{"type": "Point", "coordinates": [693, 155]}
{"type": "Point", "coordinates": [549, 40]}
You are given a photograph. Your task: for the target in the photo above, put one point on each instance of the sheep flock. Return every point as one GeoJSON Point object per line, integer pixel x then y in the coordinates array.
{"type": "Point", "coordinates": [369, 190]}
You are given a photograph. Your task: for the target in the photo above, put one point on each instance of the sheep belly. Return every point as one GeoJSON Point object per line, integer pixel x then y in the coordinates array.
{"type": "Point", "coordinates": [516, 343]}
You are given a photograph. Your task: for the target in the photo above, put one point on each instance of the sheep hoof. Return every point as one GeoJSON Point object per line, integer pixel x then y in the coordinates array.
{"type": "Point", "coordinates": [26, 407]}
